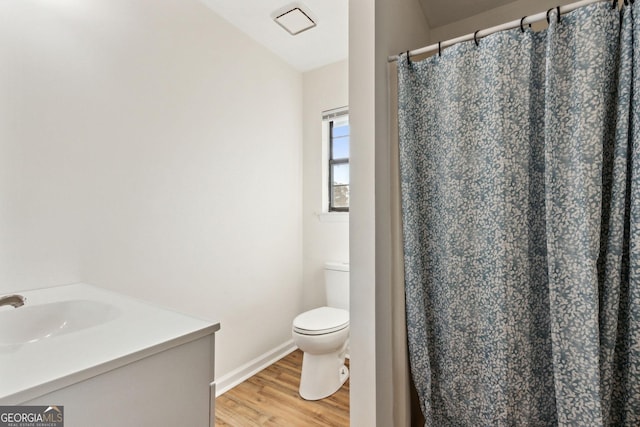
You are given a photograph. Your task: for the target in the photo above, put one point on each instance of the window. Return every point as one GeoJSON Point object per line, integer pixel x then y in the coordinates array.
{"type": "Point", "coordinates": [338, 164]}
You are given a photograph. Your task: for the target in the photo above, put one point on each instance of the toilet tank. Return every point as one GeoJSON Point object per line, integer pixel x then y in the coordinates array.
{"type": "Point", "coordinates": [336, 280]}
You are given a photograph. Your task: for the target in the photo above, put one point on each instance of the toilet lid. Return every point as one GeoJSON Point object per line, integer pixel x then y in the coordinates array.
{"type": "Point", "coordinates": [319, 321]}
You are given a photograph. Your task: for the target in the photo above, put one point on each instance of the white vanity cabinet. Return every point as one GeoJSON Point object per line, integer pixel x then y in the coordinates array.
{"type": "Point", "coordinates": [171, 388]}
{"type": "Point", "coordinates": [139, 366]}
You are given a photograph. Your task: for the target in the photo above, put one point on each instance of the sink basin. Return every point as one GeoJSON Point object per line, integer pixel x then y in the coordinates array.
{"type": "Point", "coordinates": [32, 323]}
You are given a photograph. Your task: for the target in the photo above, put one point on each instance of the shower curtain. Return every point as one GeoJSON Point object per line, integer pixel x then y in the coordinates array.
{"type": "Point", "coordinates": [519, 165]}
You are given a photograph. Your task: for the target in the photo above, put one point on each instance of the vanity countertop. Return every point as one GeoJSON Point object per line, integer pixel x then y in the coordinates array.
{"type": "Point", "coordinates": [66, 334]}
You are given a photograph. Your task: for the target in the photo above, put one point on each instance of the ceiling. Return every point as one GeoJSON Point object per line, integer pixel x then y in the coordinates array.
{"type": "Point", "coordinates": [324, 44]}
{"type": "Point", "coordinates": [328, 42]}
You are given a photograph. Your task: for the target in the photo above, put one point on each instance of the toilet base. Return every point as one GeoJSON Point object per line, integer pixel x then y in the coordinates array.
{"type": "Point", "coordinates": [322, 375]}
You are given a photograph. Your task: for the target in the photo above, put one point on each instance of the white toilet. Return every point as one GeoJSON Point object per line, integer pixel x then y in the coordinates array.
{"type": "Point", "coordinates": [323, 335]}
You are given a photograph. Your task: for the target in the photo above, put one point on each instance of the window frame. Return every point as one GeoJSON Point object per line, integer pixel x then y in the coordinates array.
{"type": "Point", "coordinates": [329, 118]}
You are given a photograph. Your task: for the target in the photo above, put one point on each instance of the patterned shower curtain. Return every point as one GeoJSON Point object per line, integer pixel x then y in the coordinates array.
{"type": "Point", "coordinates": [520, 190]}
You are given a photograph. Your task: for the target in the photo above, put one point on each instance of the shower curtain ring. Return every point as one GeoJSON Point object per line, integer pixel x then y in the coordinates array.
{"type": "Point", "coordinates": [549, 11]}
{"type": "Point", "coordinates": [408, 57]}
{"type": "Point", "coordinates": [439, 48]}
{"type": "Point", "coordinates": [521, 23]}
{"type": "Point", "coordinates": [475, 38]}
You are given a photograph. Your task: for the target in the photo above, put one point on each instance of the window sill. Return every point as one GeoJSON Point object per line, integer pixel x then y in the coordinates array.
{"type": "Point", "coordinates": [334, 217]}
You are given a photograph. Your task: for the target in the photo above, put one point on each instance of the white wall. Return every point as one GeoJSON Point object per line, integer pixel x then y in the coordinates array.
{"type": "Point", "coordinates": [376, 30]}
{"type": "Point", "coordinates": [38, 173]}
{"type": "Point", "coordinates": [326, 237]}
{"type": "Point", "coordinates": [500, 15]}
{"type": "Point", "coordinates": [150, 148]}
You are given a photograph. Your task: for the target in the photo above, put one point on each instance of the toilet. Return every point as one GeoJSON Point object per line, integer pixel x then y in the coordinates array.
{"type": "Point", "coordinates": [323, 335]}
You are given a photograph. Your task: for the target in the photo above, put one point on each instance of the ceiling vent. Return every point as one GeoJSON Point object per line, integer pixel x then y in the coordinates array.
{"type": "Point", "coordinates": [295, 21]}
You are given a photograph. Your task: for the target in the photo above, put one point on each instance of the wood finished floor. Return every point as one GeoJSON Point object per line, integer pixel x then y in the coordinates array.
{"type": "Point", "coordinates": [270, 398]}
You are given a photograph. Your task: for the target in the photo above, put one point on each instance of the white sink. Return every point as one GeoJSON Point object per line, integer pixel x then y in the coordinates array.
{"type": "Point", "coordinates": [29, 324]}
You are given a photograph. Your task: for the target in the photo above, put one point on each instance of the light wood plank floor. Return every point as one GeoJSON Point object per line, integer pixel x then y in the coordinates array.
{"type": "Point", "coordinates": [270, 398]}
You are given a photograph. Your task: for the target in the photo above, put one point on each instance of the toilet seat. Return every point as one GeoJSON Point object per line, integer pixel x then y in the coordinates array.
{"type": "Point", "coordinates": [321, 321]}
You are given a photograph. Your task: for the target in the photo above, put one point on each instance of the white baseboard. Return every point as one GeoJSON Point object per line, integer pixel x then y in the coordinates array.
{"type": "Point", "coordinates": [235, 377]}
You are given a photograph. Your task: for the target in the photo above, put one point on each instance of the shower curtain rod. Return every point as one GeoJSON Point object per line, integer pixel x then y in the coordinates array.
{"type": "Point", "coordinates": [506, 26]}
